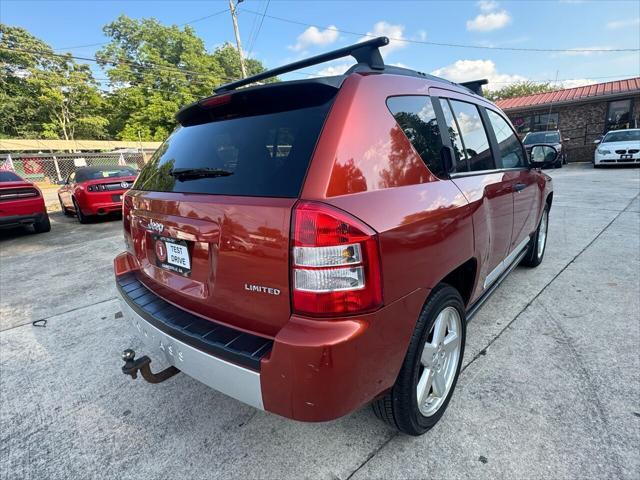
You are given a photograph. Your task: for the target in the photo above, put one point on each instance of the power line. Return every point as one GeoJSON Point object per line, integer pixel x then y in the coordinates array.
{"type": "Point", "coordinates": [253, 40]}
{"type": "Point", "coordinates": [453, 45]}
{"type": "Point", "coordinates": [149, 65]}
{"type": "Point", "coordinates": [215, 14]}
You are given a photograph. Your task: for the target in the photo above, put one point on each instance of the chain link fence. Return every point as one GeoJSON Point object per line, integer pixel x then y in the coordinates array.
{"type": "Point", "coordinates": [47, 169]}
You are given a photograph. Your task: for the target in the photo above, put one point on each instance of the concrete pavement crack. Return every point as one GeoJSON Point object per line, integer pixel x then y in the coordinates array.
{"type": "Point", "coordinates": [543, 289]}
{"type": "Point", "coordinates": [373, 454]}
{"type": "Point", "coordinates": [57, 314]}
{"type": "Point", "coordinates": [483, 352]}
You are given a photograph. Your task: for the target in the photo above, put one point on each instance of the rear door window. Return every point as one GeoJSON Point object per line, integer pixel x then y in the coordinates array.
{"type": "Point", "coordinates": [511, 152]}
{"type": "Point", "coordinates": [461, 162]}
{"type": "Point", "coordinates": [474, 136]}
{"type": "Point", "coordinates": [262, 148]}
{"type": "Point", "coordinates": [417, 118]}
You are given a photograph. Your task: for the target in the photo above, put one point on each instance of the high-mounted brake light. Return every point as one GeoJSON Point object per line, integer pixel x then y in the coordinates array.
{"type": "Point", "coordinates": [335, 262]}
{"type": "Point", "coordinates": [215, 101]}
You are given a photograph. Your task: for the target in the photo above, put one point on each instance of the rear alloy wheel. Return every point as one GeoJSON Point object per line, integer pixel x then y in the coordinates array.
{"type": "Point", "coordinates": [538, 242]}
{"type": "Point", "coordinates": [430, 370]}
{"type": "Point", "coordinates": [82, 218]}
{"type": "Point", "coordinates": [42, 226]}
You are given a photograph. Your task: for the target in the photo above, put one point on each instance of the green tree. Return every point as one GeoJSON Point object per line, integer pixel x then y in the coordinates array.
{"type": "Point", "coordinates": [156, 69]}
{"type": "Point", "coordinates": [520, 89]}
{"type": "Point", "coordinates": [43, 94]}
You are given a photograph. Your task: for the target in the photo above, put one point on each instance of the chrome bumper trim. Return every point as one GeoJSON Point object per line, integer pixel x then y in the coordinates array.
{"type": "Point", "coordinates": [232, 380]}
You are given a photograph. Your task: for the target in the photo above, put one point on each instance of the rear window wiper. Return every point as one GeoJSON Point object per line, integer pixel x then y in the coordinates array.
{"type": "Point", "coordinates": [191, 173]}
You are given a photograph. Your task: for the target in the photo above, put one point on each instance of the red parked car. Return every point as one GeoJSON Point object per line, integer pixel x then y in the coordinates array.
{"type": "Point", "coordinates": [312, 246]}
{"type": "Point", "coordinates": [21, 203]}
{"type": "Point", "coordinates": [95, 190]}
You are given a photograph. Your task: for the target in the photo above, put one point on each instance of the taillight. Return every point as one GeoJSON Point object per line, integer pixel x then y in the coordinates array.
{"type": "Point", "coordinates": [127, 204]}
{"type": "Point", "coordinates": [335, 262]}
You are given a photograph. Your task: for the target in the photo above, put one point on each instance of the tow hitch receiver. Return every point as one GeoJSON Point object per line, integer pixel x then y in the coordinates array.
{"type": "Point", "coordinates": [132, 366]}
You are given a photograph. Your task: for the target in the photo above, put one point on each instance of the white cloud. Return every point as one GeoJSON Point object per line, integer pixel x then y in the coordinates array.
{"type": "Point", "coordinates": [488, 5]}
{"type": "Point", "coordinates": [576, 82]}
{"type": "Point", "coordinates": [616, 24]}
{"type": "Point", "coordinates": [489, 21]}
{"type": "Point", "coordinates": [467, 70]}
{"type": "Point", "coordinates": [421, 35]}
{"type": "Point", "coordinates": [334, 69]}
{"type": "Point", "coordinates": [385, 29]}
{"type": "Point", "coordinates": [315, 36]}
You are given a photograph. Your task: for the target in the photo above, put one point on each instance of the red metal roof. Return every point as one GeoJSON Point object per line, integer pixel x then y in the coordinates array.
{"type": "Point", "coordinates": [631, 85]}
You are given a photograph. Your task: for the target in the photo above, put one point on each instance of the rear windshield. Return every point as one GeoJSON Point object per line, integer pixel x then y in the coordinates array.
{"type": "Point", "coordinates": [103, 173]}
{"type": "Point", "coordinates": [542, 137]}
{"type": "Point", "coordinates": [264, 154]}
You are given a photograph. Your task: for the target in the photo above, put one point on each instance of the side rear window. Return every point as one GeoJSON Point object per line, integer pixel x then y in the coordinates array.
{"type": "Point", "coordinates": [511, 151]}
{"type": "Point", "coordinates": [259, 143]}
{"type": "Point", "coordinates": [461, 163]}
{"type": "Point", "coordinates": [474, 136]}
{"type": "Point", "coordinates": [417, 118]}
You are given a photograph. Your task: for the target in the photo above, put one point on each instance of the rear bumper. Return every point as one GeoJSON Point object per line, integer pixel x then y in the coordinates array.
{"type": "Point", "coordinates": [313, 370]}
{"type": "Point", "coordinates": [101, 208]}
{"type": "Point", "coordinates": [18, 220]}
{"type": "Point", "coordinates": [233, 380]}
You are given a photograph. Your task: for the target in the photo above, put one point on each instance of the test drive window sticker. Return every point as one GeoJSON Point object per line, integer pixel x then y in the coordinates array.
{"type": "Point", "coordinates": [172, 254]}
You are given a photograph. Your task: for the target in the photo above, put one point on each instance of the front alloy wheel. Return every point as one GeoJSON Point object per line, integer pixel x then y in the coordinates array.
{"type": "Point", "coordinates": [538, 242]}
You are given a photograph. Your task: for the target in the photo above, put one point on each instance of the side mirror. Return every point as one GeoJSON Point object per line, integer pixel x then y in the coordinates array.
{"type": "Point", "coordinates": [566, 139]}
{"type": "Point", "coordinates": [596, 142]}
{"type": "Point", "coordinates": [540, 155]}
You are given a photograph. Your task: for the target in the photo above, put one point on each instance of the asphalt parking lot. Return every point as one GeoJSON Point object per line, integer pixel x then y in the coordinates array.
{"type": "Point", "coordinates": [550, 386]}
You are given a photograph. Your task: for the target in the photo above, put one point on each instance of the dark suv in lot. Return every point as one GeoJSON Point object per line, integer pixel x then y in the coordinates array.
{"type": "Point", "coordinates": [548, 137]}
{"type": "Point", "coordinates": [311, 246]}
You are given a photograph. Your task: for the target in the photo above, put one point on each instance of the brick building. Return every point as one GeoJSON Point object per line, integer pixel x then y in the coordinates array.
{"type": "Point", "coordinates": [582, 114]}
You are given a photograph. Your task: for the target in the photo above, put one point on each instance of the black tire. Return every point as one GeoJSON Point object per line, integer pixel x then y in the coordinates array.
{"type": "Point", "coordinates": [65, 211]}
{"type": "Point", "coordinates": [399, 407]}
{"type": "Point", "coordinates": [43, 225]}
{"type": "Point", "coordinates": [82, 218]}
{"type": "Point", "coordinates": [533, 258]}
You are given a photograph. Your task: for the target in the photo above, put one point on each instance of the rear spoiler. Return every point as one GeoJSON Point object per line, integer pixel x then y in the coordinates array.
{"type": "Point", "coordinates": [364, 52]}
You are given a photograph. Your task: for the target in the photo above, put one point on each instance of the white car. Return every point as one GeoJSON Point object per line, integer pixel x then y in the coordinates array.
{"type": "Point", "coordinates": [618, 147]}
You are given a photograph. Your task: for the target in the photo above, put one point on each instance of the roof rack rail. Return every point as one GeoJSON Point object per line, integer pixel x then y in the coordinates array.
{"type": "Point", "coordinates": [364, 52]}
{"type": "Point", "coordinates": [475, 85]}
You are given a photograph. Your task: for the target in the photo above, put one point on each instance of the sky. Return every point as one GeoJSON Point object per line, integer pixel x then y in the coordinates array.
{"type": "Point", "coordinates": [292, 30]}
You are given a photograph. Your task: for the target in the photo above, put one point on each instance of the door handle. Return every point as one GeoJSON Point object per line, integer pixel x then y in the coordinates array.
{"type": "Point", "coordinates": [519, 186]}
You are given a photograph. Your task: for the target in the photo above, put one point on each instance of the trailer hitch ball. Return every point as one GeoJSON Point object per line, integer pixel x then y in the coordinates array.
{"type": "Point", "coordinates": [132, 366]}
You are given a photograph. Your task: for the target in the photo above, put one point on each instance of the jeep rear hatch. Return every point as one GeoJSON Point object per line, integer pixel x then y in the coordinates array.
{"type": "Point", "coordinates": [209, 216]}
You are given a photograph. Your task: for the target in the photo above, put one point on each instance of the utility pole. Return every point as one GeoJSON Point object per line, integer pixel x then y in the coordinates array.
{"type": "Point", "coordinates": [232, 8]}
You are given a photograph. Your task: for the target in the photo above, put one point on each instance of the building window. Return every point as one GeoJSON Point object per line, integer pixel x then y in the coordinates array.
{"type": "Point", "coordinates": [536, 123]}
{"type": "Point", "coordinates": [546, 121]}
{"type": "Point", "coordinates": [618, 115]}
